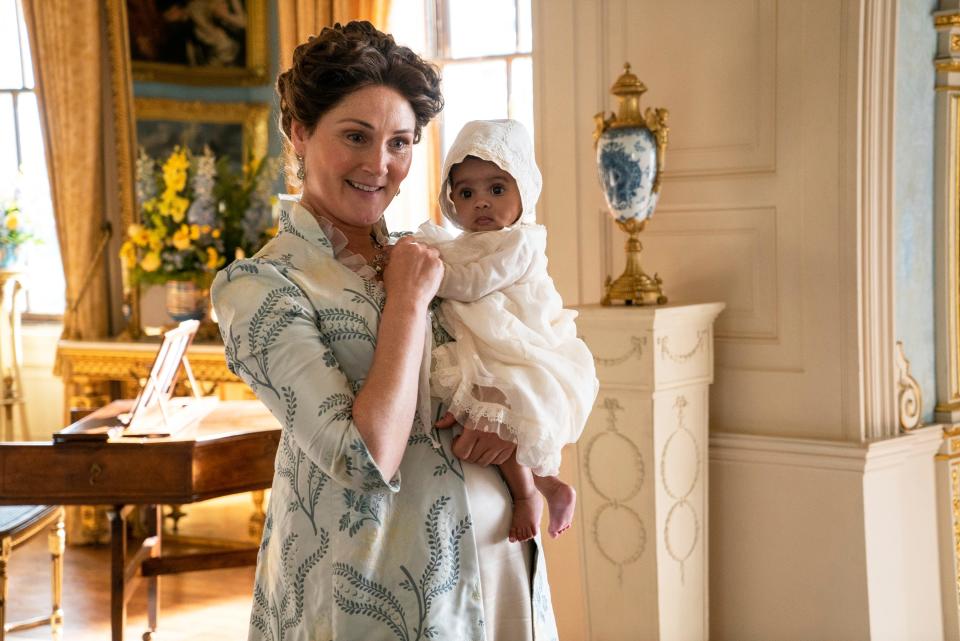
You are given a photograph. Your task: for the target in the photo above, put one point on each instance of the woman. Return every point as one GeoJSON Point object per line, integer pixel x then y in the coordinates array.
{"type": "Point", "coordinates": [375, 529]}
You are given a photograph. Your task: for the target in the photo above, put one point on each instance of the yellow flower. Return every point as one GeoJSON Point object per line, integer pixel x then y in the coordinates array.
{"type": "Point", "coordinates": [175, 172]}
{"type": "Point", "coordinates": [178, 208]}
{"type": "Point", "coordinates": [128, 254]}
{"type": "Point", "coordinates": [194, 232]}
{"type": "Point", "coordinates": [138, 235]}
{"type": "Point", "coordinates": [12, 222]}
{"type": "Point", "coordinates": [181, 237]}
{"type": "Point", "coordinates": [213, 259]}
{"type": "Point", "coordinates": [155, 240]}
{"type": "Point", "coordinates": [150, 262]}
{"type": "Point", "coordinates": [270, 231]}
{"type": "Point", "coordinates": [215, 233]}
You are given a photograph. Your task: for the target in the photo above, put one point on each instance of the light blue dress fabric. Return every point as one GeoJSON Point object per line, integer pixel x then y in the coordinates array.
{"type": "Point", "coordinates": [348, 555]}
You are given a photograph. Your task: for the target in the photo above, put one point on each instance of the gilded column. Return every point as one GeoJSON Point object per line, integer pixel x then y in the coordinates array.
{"type": "Point", "coordinates": [947, 210]}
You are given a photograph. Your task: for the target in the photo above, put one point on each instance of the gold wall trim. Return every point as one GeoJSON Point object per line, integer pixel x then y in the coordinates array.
{"type": "Point", "coordinates": [121, 90]}
{"type": "Point", "coordinates": [947, 66]}
{"type": "Point", "coordinates": [948, 20]}
{"type": "Point", "coordinates": [953, 206]}
{"type": "Point", "coordinates": [955, 511]}
{"type": "Point", "coordinates": [947, 242]}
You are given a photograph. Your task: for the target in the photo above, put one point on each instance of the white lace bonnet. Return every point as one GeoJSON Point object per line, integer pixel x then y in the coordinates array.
{"type": "Point", "coordinates": [505, 143]}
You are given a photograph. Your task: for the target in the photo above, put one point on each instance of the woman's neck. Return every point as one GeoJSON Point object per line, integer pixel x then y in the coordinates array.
{"type": "Point", "coordinates": [358, 236]}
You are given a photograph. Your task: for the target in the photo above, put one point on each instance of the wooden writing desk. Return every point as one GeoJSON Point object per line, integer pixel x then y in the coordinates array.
{"type": "Point", "coordinates": [231, 450]}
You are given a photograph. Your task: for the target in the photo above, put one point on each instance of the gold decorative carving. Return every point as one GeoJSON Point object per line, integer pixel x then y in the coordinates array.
{"type": "Point", "coordinates": [948, 20]}
{"type": "Point", "coordinates": [909, 396]}
{"type": "Point", "coordinates": [955, 42]}
{"type": "Point", "coordinates": [637, 344]}
{"type": "Point", "coordinates": [680, 496]}
{"type": "Point", "coordinates": [89, 368]}
{"type": "Point", "coordinates": [617, 503]}
{"type": "Point", "coordinates": [948, 66]}
{"type": "Point", "coordinates": [665, 352]}
{"type": "Point", "coordinates": [954, 445]}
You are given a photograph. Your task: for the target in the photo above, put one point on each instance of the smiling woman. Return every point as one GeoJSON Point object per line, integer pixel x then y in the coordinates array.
{"type": "Point", "coordinates": [356, 157]}
{"type": "Point", "coordinates": [340, 352]}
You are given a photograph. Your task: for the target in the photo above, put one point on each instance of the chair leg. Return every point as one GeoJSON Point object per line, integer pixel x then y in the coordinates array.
{"type": "Point", "coordinates": [6, 547]}
{"type": "Point", "coordinates": [55, 541]}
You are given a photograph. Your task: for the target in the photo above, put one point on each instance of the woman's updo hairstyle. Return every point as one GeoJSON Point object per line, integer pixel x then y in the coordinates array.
{"type": "Point", "coordinates": [328, 67]}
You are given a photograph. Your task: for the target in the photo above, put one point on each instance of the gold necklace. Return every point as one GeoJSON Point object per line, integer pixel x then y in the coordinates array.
{"type": "Point", "coordinates": [379, 256]}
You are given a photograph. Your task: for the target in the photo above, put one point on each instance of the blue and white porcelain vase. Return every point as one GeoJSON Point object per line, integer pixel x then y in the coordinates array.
{"type": "Point", "coordinates": [9, 256]}
{"type": "Point", "coordinates": [630, 153]}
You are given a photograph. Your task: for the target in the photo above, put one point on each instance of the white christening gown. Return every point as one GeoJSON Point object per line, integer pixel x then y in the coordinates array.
{"type": "Point", "coordinates": [517, 367]}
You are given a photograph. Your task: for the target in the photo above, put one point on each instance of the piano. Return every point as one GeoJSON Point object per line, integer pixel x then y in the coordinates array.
{"type": "Point", "coordinates": [228, 451]}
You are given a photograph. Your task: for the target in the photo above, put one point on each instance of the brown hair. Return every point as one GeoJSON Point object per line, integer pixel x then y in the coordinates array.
{"type": "Point", "coordinates": [328, 67]}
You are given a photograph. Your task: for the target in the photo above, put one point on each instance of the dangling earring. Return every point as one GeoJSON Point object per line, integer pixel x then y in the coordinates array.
{"type": "Point", "coordinates": [300, 172]}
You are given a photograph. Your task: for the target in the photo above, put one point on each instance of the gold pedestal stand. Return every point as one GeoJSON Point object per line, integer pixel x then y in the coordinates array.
{"type": "Point", "coordinates": [633, 287]}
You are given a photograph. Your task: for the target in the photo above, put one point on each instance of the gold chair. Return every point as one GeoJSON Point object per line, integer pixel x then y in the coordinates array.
{"type": "Point", "coordinates": [18, 524]}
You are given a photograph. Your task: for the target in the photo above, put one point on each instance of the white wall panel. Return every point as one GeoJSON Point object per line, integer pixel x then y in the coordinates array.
{"type": "Point", "coordinates": [750, 211]}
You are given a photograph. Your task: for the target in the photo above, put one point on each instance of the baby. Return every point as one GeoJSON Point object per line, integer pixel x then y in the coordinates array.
{"type": "Point", "coordinates": [517, 367]}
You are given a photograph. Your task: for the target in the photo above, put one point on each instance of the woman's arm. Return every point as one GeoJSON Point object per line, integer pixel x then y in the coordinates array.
{"type": "Point", "coordinates": [383, 409]}
{"type": "Point", "coordinates": [270, 333]}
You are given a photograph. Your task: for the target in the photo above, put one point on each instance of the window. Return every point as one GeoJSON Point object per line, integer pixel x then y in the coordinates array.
{"type": "Point", "coordinates": [483, 50]}
{"type": "Point", "coordinates": [23, 169]}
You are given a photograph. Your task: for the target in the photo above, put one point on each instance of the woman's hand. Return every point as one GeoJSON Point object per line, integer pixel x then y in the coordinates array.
{"type": "Point", "coordinates": [474, 446]}
{"type": "Point", "coordinates": [413, 272]}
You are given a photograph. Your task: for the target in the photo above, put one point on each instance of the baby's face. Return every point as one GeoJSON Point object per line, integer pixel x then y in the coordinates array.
{"type": "Point", "coordinates": [486, 197]}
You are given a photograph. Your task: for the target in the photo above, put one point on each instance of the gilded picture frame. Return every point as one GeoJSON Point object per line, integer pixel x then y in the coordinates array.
{"type": "Point", "coordinates": [237, 130]}
{"type": "Point", "coordinates": [199, 43]}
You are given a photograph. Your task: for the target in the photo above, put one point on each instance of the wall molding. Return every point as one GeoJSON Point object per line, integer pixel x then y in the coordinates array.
{"type": "Point", "coordinates": [843, 456]}
{"type": "Point", "coordinates": [946, 214]}
{"type": "Point", "coordinates": [876, 219]}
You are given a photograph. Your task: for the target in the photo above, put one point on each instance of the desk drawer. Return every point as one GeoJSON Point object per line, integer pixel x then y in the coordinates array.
{"type": "Point", "coordinates": [96, 474]}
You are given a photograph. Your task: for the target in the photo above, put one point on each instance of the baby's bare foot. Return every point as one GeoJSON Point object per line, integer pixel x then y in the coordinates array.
{"type": "Point", "coordinates": [526, 518]}
{"type": "Point", "coordinates": [561, 502]}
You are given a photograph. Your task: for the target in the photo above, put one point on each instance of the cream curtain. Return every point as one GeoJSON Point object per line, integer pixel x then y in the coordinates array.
{"type": "Point", "coordinates": [300, 19]}
{"type": "Point", "coordinates": [376, 11]}
{"type": "Point", "coordinates": [65, 36]}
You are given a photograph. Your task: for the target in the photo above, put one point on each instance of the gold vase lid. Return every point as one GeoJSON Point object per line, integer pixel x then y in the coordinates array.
{"type": "Point", "coordinates": [628, 89]}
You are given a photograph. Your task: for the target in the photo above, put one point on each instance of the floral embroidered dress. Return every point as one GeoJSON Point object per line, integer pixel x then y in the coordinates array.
{"type": "Point", "coordinates": [348, 555]}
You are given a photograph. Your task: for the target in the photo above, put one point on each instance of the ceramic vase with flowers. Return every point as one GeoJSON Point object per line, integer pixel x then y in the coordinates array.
{"type": "Point", "coordinates": [13, 235]}
{"type": "Point", "coordinates": [196, 213]}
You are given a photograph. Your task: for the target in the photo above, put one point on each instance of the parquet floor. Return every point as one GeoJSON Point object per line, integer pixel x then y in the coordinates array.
{"type": "Point", "coordinates": [197, 606]}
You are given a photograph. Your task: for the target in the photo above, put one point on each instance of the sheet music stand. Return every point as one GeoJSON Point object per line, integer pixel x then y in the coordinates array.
{"type": "Point", "coordinates": [158, 390]}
